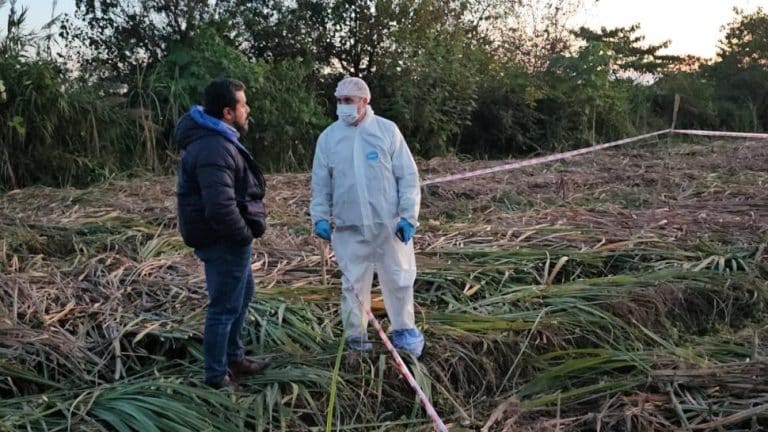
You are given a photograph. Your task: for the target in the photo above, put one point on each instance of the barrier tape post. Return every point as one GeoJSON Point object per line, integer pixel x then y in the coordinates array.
{"type": "Point", "coordinates": [674, 118]}
{"type": "Point", "coordinates": [674, 111]}
{"type": "Point", "coordinates": [403, 369]}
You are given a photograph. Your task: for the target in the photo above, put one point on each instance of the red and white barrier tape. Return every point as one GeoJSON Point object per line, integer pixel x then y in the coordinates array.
{"type": "Point", "coordinates": [542, 159]}
{"type": "Point", "coordinates": [721, 134]}
{"type": "Point", "coordinates": [579, 152]}
{"type": "Point", "coordinates": [403, 369]}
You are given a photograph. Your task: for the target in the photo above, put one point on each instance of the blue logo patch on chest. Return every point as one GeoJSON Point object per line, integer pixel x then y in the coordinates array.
{"type": "Point", "coordinates": [372, 156]}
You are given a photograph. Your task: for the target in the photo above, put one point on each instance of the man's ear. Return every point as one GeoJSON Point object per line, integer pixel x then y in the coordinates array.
{"type": "Point", "coordinates": [227, 114]}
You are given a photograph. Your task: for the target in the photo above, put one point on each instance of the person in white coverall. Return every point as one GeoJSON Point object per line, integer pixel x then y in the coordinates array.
{"type": "Point", "coordinates": [365, 179]}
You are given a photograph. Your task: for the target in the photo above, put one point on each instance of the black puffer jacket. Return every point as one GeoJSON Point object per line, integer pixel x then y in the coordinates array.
{"type": "Point", "coordinates": [220, 189]}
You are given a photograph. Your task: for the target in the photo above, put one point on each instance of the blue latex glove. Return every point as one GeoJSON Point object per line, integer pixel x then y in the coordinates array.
{"type": "Point", "coordinates": [405, 230]}
{"type": "Point", "coordinates": [323, 229]}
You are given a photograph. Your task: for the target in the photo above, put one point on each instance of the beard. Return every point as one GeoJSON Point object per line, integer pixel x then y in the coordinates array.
{"type": "Point", "coordinates": [241, 127]}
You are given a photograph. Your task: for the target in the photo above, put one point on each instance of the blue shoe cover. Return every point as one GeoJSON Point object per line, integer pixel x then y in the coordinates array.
{"type": "Point", "coordinates": [359, 343]}
{"type": "Point", "coordinates": [410, 340]}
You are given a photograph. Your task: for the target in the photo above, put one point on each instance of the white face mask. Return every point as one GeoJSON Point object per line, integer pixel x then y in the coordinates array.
{"type": "Point", "coordinates": [347, 113]}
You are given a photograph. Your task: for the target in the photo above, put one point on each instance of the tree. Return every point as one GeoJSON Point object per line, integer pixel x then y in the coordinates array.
{"type": "Point", "coordinates": [505, 121]}
{"type": "Point", "coordinates": [741, 73]}
{"type": "Point", "coordinates": [745, 43]}
{"type": "Point", "coordinates": [530, 32]}
{"type": "Point", "coordinates": [117, 37]}
{"type": "Point", "coordinates": [426, 75]}
{"type": "Point", "coordinates": [55, 130]}
{"type": "Point", "coordinates": [626, 48]}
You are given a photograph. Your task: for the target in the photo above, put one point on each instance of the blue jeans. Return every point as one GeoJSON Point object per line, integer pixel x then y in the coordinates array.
{"type": "Point", "coordinates": [229, 280]}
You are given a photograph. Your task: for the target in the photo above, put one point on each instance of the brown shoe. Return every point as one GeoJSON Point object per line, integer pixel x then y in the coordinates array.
{"type": "Point", "coordinates": [248, 367]}
{"type": "Point", "coordinates": [226, 383]}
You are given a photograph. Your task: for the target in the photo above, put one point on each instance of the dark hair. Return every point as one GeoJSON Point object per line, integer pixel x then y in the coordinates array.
{"type": "Point", "coordinates": [220, 94]}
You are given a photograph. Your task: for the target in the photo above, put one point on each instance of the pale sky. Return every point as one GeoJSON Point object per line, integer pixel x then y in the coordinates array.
{"type": "Point", "coordinates": [693, 26]}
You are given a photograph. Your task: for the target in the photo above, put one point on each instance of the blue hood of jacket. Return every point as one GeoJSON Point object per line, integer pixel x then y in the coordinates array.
{"type": "Point", "coordinates": [196, 124]}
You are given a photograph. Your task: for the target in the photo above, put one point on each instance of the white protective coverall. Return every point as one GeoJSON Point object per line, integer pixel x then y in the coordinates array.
{"type": "Point", "coordinates": [365, 177]}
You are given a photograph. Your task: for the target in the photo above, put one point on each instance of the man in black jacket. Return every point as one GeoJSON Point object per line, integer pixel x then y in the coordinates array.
{"type": "Point", "coordinates": [220, 210]}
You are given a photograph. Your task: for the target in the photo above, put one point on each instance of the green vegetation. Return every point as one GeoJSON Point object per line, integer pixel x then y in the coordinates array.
{"type": "Point", "coordinates": [473, 77]}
